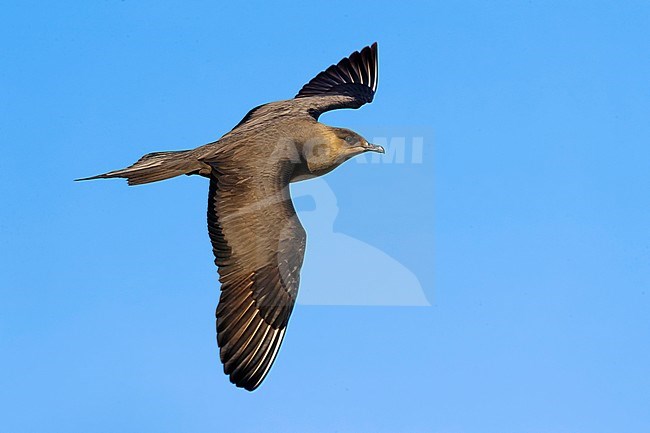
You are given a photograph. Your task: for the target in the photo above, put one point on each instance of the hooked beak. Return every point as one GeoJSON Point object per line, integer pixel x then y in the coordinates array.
{"type": "Point", "coordinates": [373, 148]}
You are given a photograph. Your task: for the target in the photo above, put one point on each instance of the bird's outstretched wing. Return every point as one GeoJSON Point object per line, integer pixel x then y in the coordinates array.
{"type": "Point", "coordinates": [259, 246]}
{"type": "Point", "coordinates": [350, 83]}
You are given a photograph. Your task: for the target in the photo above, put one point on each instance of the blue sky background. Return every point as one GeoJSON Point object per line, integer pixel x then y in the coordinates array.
{"type": "Point", "coordinates": [527, 222]}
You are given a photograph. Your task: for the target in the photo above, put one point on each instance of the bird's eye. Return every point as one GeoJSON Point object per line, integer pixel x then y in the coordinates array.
{"type": "Point", "coordinates": [350, 139]}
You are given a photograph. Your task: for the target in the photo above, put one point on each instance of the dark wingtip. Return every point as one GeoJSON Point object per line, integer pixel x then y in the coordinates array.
{"type": "Point", "coordinates": [247, 385]}
{"type": "Point", "coordinates": [356, 73]}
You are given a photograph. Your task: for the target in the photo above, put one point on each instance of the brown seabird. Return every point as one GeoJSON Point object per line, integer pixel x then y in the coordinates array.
{"type": "Point", "coordinates": [257, 239]}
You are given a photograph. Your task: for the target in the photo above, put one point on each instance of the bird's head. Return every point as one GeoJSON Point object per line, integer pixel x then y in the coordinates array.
{"type": "Point", "coordinates": [348, 143]}
{"type": "Point", "coordinates": [332, 147]}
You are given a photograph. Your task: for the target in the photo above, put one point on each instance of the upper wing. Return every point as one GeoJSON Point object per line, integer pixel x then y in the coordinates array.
{"type": "Point", "coordinates": [350, 83]}
{"type": "Point", "coordinates": [259, 246]}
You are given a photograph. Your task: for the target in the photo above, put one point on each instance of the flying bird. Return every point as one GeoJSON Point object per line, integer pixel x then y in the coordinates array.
{"type": "Point", "coordinates": [257, 239]}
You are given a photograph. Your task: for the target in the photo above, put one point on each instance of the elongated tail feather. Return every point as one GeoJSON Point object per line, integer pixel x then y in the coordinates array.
{"type": "Point", "coordinates": [154, 167]}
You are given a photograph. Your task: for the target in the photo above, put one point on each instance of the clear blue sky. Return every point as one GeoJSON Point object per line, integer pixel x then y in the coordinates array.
{"type": "Point", "coordinates": [527, 223]}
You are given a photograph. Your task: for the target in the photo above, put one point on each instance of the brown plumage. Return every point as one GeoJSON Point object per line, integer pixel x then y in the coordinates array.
{"type": "Point", "coordinates": [257, 239]}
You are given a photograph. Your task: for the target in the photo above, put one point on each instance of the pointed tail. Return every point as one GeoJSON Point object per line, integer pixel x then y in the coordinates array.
{"type": "Point", "coordinates": [154, 167]}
